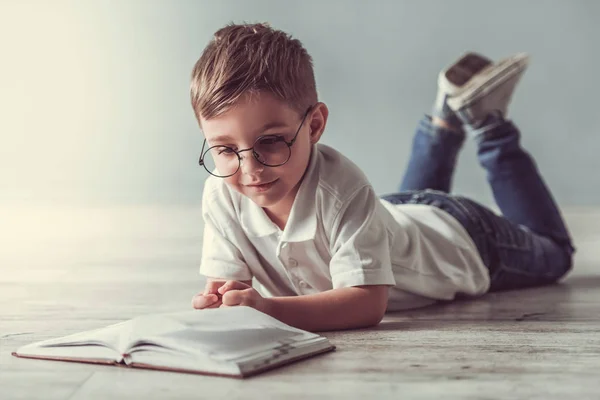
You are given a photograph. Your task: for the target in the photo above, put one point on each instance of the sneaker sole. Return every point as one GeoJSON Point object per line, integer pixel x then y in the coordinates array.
{"type": "Point", "coordinates": [458, 74]}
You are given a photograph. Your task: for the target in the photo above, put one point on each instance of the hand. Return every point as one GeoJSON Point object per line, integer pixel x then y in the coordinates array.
{"type": "Point", "coordinates": [210, 298]}
{"type": "Point", "coordinates": [237, 293]}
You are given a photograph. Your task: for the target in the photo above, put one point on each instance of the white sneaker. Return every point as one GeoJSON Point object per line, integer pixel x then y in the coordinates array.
{"type": "Point", "coordinates": [453, 79]}
{"type": "Point", "coordinates": [489, 91]}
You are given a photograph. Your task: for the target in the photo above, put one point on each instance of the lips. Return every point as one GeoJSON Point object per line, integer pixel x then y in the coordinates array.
{"type": "Point", "coordinates": [260, 184]}
{"type": "Point", "coordinates": [262, 187]}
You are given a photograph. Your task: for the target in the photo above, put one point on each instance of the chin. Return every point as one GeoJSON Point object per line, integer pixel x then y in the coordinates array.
{"type": "Point", "coordinates": [263, 200]}
{"type": "Point", "coordinates": [266, 199]}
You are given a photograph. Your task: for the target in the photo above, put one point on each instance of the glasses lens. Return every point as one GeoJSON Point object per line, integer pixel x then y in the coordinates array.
{"type": "Point", "coordinates": [272, 150]}
{"type": "Point", "coordinates": [221, 161]}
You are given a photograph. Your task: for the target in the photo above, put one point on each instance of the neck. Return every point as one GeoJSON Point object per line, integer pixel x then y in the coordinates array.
{"type": "Point", "coordinates": [278, 219]}
{"type": "Point", "coordinates": [280, 212]}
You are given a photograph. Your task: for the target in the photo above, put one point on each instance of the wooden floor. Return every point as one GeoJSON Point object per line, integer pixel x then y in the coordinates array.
{"type": "Point", "coordinates": [96, 268]}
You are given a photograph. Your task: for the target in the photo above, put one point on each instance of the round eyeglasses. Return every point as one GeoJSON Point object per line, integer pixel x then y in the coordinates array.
{"type": "Point", "coordinates": [269, 150]}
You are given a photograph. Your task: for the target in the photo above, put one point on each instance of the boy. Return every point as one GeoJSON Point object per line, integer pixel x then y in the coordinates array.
{"type": "Point", "coordinates": [303, 222]}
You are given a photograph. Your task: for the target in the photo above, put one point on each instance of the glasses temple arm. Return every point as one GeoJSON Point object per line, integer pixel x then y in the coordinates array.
{"type": "Point", "coordinates": [201, 160]}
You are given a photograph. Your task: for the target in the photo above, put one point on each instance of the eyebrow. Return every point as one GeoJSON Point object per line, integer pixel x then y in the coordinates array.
{"type": "Point", "coordinates": [266, 127]}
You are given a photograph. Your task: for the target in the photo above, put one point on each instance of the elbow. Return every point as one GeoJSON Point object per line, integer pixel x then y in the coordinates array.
{"type": "Point", "coordinates": [377, 315]}
{"type": "Point", "coordinates": [371, 319]}
{"type": "Point", "coordinates": [376, 307]}
{"type": "Point", "coordinates": [380, 300]}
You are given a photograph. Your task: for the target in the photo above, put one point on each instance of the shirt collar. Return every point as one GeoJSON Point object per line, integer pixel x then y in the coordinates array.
{"type": "Point", "coordinates": [302, 222]}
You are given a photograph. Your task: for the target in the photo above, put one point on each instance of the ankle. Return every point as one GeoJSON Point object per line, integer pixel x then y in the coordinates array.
{"type": "Point", "coordinates": [492, 118]}
{"type": "Point", "coordinates": [445, 124]}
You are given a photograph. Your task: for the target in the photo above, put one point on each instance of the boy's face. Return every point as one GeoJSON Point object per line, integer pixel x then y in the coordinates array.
{"type": "Point", "coordinates": [273, 188]}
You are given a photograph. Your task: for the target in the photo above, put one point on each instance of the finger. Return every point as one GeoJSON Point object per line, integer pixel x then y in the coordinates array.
{"type": "Point", "coordinates": [199, 301]}
{"type": "Point", "coordinates": [212, 286]}
{"type": "Point", "coordinates": [232, 285]}
{"type": "Point", "coordinates": [232, 298]}
{"type": "Point", "coordinates": [217, 304]}
{"type": "Point", "coordinates": [210, 294]}
{"type": "Point", "coordinates": [204, 301]}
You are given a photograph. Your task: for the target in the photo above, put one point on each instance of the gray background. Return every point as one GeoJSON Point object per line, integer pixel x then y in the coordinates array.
{"type": "Point", "coordinates": [94, 94]}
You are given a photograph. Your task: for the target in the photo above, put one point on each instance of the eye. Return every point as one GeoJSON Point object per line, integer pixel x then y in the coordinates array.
{"type": "Point", "coordinates": [226, 150]}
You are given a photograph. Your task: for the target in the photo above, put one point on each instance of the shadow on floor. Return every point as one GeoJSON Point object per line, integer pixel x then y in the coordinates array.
{"type": "Point", "coordinates": [568, 301]}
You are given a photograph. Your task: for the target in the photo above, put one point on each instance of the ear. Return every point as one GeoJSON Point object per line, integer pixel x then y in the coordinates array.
{"type": "Point", "coordinates": [317, 121]}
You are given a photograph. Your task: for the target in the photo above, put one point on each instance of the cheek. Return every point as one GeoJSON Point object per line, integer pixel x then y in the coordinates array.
{"type": "Point", "coordinates": [232, 182]}
{"type": "Point", "coordinates": [302, 158]}
{"type": "Point", "coordinates": [296, 166]}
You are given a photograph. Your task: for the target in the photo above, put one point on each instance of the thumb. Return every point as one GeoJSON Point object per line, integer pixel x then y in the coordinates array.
{"type": "Point", "coordinates": [212, 286]}
{"type": "Point", "coordinates": [232, 285]}
{"type": "Point", "coordinates": [232, 298]}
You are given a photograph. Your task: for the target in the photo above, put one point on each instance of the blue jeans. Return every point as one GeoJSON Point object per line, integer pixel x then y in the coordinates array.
{"type": "Point", "coordinates": [529, 245]}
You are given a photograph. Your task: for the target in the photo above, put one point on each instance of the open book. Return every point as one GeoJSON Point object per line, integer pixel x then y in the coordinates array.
{"type": "Point", "coordinates": [233, 341]}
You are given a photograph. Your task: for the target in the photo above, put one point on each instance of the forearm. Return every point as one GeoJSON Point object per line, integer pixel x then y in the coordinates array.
{"type": "Point", "coordinates": [344, 308]}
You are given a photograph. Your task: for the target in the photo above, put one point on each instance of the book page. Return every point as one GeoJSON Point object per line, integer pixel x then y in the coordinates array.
{"type": "Point", "coordinates": [225, 333]}
{"type": "Point", "coordinates": [169, 361]}
{"type": "Point", "coordinates": [93, 345]}
{"type": "Point", "coordinates": [71, 352]}
{"type": "Point", "coordinates": [108, 336]}
{"type": "Point", "coordinates": [225, 344]}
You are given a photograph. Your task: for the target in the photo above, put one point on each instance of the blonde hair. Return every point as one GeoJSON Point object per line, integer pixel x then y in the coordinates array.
{"type": "Point", "coordinates": [250, 59]}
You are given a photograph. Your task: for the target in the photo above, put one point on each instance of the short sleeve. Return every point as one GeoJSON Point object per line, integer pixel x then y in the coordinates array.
{"type": "Point", "coordinates": [360, 243]}
{"type": "Point", "coordinates": [221, 258]}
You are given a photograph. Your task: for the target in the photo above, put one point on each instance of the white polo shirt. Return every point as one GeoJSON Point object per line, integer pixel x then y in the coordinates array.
{"type": "Point", "coordinates": [339, 234]}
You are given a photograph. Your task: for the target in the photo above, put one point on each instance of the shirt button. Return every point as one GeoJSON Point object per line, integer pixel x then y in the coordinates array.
{"type": "Point", "coordinates": [293, 262]}
{"type": "Point", "coordinates": [303, 284]}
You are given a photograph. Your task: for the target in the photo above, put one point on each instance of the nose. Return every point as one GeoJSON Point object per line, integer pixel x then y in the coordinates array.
{"type": "Point", "coordinates": [249, 164]}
